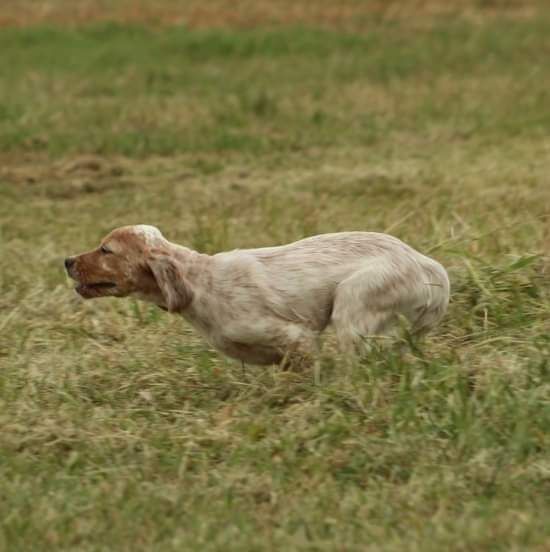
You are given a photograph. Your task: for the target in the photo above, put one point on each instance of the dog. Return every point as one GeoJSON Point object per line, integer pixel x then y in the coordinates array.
{"type": "Point", "coordinates": [264, 306]}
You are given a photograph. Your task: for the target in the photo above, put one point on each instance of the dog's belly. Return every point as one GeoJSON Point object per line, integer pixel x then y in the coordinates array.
{"type": "Point", "coordinates": [250, 353]}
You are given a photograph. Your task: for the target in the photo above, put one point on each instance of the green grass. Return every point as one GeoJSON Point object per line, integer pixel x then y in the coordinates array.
{"type": "Point", "coordinates": [112, 89]}
{"type": "Point", "coordinates": [121, 430]}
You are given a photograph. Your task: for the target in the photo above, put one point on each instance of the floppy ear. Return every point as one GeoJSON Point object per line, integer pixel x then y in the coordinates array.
{"type": "Point", "coordinates": [171, 281]}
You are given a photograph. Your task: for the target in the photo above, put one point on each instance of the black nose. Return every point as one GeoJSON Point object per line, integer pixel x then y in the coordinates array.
{"type": "Point", "coordinates": [69, 261]}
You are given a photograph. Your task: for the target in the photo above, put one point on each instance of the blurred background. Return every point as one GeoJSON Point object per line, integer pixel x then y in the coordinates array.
{"type": "Point", "coordinates": [255, 123]}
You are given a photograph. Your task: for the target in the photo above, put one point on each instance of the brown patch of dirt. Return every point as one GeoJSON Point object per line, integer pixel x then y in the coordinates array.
{"type": "Point", "coordinates": [66, 178]}
{"type": "Point", "coordinates": [30, 169]}
{"type": "Point", "coordinates": [345, 14]}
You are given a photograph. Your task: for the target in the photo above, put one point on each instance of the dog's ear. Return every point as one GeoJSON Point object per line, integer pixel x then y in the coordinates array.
{"type": "Point", "coordinates": [173, 285]}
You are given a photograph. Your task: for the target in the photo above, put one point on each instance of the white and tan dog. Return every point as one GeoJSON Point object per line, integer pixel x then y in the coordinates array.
{"type": "Point", "coordinates": [265, 305]}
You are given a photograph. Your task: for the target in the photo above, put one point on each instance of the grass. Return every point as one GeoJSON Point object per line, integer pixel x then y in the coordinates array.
{"type": "Point", "coordinates": [122, 430]}
{"type": "Point", "coordinates": [105, 90]}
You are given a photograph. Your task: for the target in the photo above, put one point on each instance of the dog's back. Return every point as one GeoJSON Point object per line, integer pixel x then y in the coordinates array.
{"type": "Point", "coordinates": [303, 279]}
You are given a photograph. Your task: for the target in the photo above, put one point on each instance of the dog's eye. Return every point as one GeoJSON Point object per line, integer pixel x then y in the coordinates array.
{"type": "Point", "coordinates": [105, 250]}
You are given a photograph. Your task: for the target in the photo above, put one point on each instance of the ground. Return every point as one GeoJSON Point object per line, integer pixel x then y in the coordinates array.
{"type": "Point", "coordinates": [256, 124]}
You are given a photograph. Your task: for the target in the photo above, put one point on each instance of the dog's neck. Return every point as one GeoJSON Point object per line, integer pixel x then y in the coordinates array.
{"type": "Point", "coordinates": [193, 266]}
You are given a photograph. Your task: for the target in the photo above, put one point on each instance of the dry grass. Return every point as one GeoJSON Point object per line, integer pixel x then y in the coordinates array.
{"type": "Point", "coordinates": [122, 430]}
{"type": "Point", "coordinates": [197, 14]}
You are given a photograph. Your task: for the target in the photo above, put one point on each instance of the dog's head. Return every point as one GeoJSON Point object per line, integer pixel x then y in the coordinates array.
{"type": "Point", "coordinates": [118, 266]}
{"type": "Point", "coordinates": [132, 260]}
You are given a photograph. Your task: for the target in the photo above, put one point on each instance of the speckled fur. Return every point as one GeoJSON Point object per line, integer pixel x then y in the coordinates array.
{"type": "Point", "coordinates": [264, 305]}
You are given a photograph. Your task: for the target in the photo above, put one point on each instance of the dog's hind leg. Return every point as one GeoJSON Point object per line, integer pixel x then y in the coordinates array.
{"type": "Point", "coordinates": [369, 305]}
{"type": "Point", "coordinates": [358, 314]}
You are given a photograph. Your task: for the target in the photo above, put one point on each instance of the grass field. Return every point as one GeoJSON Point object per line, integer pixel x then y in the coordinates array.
{"type": "Point", "coordinates": [121, 430]}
